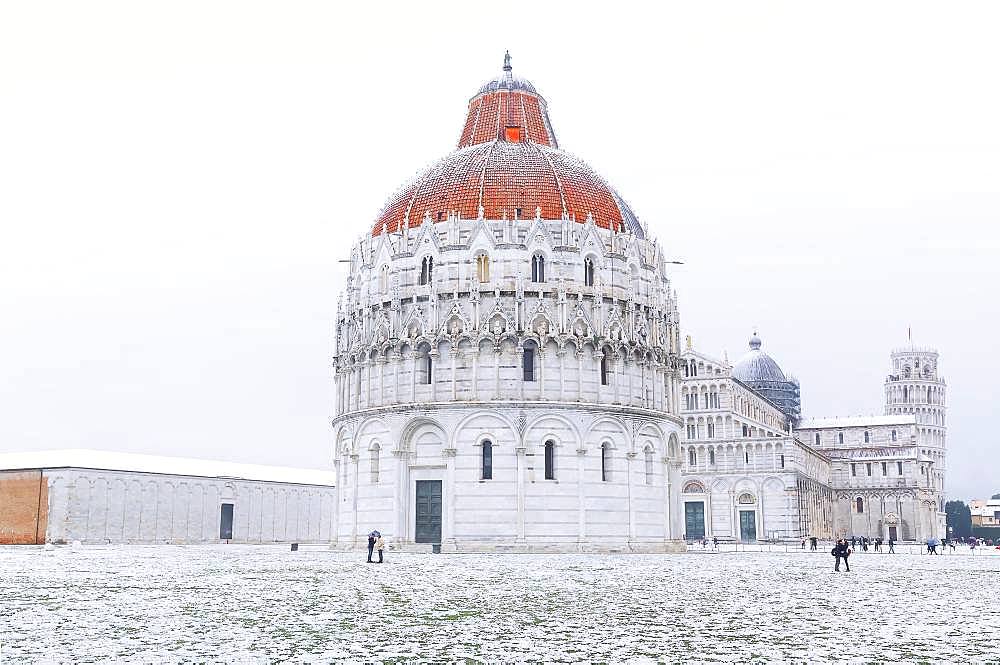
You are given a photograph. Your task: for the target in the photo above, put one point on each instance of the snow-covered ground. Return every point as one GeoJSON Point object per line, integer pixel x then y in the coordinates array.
{"type": "Point", "coordinates": [245, 603]}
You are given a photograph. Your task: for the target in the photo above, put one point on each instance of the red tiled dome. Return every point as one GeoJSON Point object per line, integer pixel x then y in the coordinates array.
{"type": "Point", "coordinates": [509, 163]}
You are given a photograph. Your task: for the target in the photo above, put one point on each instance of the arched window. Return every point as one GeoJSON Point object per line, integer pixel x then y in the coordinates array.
{"type": "Point", "coordinates": [868, 438]}
{"type": "Point", "coordinates": [605, 462]}
{"type": "Point", "coordinates": [840, 438]}
{"type": "Point", "coordinates": [588, 272]}
{"type": "Point", "coordinates": [711, 457]}
{"type": "Point", "coordinates": [860, 505]}
{"type": "Point", "coordinates": [711, 430]}
{"type": "Point", "coordinates": [692, 457]}
{"type": "Point", "coordinates": [904, 389]}
{"type": "Point", "coordinates": [537, 268]}
{"type": "Point", "coordinates": [746, 499]}
{"type": "Point", "coordinates": [893, 435]}
{"type": "Point", "coordinates": [782, 460]}
{"type": "Point", "coordinates": [817, 438]}
{"type": "Point", "coordinates": [550, 460]}
{"type": "Point", "coordinates": [374, 469]}
{"type": "Point", "coordinates": [426, 270]}
{"type": "Point", "coordinates": [649, 465]}
{"type": "Point", "coordinates": [528, 362]}
{"type": "Point", "coordinates": [483, 268]}
{"type": "Point", "coordinates": [604, 369]}
{"type": "Point", "coordinates": [746, 456]}
{"type": "Point", "coordinates": [383, 280]}
{"type": "Point", "coordinates": [487, 460]}
{"type": "Point", "coordinates": [428, 367]}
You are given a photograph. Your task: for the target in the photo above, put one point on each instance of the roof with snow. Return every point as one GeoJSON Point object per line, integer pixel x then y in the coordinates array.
{"type": "Point", "coordinates": [508, 165]}
{"type": "Point", "coordinates": [856, 421]}
{"type": "Point", "coordinates": [176, 466]}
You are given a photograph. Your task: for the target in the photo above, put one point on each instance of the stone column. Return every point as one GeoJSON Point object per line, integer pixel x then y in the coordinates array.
{"type": "Point", "coordinates": [520, 451]}
{"type": "Point", "coordinates": [354, 500]}
{"type": "Point", "coordinates": [448, 523]}
{"type": "Point", "coordinates": [581, 513]}
{"type": "Point", "coordinates": [629, 456]}
{"type": "Point", "coordinates": [400, 496]}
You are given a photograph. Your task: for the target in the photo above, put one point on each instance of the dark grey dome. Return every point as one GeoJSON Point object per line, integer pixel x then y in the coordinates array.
{"type": "Point", "coordinates": [757, 365]}
{"type": "Point", "coordinates": [763, 375]}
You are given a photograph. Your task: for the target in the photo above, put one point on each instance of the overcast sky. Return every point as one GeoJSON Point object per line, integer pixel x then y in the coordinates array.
{"type": "Point", "coordinates": [178, 180]}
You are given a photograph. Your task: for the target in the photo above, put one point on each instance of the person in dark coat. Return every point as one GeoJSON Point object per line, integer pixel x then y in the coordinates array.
{"type": "Point", "coordinates": [371, 546]}
{"type": "Point", "coordinates": [891, 543]}
{"type": "Point", "coordinates": [841, 551]}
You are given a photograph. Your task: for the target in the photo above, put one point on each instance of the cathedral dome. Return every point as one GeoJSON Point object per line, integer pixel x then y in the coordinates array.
{"type": "Point", "coordinates": [757, 366]}
{"type": "Point", "coordinates": [508, 165]}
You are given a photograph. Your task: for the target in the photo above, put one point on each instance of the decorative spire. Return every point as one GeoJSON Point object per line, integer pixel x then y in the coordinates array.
{"type": "Point", "coordinates": [506, 61]}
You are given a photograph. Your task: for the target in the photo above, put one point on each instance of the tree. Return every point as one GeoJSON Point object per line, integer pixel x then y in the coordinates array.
{"type": "Point", "coordinates": [958, 517]}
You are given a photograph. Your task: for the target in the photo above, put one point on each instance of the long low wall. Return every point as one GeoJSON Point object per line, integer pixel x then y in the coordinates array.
{"type": "Point", "coordinates": [98, 506]}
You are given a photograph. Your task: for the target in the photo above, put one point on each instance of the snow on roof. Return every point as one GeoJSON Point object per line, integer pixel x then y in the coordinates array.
{"type": "Point", "coordinates": [179, 466]}
{"type": "Point", "coordinates": [856, 421]}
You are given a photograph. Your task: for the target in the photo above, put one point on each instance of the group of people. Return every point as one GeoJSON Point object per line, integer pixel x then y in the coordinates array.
{"type": "Point", "coordinates": [875, 543]}
{"type": "Point", "coordinates": [375, 543]}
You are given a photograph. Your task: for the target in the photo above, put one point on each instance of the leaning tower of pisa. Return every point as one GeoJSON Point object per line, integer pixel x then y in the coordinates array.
{"type": "Point", "coordinates": [915, 387]}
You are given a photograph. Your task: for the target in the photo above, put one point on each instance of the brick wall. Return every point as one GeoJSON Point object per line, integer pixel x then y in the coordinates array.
{"type": "Point", "coordinates": [24, 502]}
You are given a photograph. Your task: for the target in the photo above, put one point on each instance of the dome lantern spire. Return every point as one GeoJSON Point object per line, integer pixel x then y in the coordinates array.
{"type": "Point", "coordinates": [506, 61]}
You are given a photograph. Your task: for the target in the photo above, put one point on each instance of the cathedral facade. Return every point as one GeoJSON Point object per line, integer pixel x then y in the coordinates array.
{"type": "Point", "coordinates": [507, 354]}
{"type": "Point", "coordinates": [754, 469]}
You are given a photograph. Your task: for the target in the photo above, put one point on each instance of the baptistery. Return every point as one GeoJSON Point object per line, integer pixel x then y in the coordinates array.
{"type": "Point", "coordinates": [506, 354]}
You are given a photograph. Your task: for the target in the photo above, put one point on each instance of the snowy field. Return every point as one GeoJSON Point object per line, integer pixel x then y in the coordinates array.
{"type": "Point", "coordinates": [256, 604]}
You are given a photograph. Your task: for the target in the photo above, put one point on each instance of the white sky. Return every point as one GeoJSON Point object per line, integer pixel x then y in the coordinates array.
{"type": "Point", "coordinates": [178, 179]}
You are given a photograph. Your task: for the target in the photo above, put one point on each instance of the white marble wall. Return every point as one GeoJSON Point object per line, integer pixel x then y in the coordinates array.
{"type": "Point", "coordinates": [634, 509]}
{"type": "Point", "coordinates": [97, 506]}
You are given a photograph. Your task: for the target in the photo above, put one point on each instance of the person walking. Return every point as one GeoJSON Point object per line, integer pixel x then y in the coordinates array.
{"type": "Point", "coordinates": [891, 543]}
{"type": "Point", "coordinates": [379, 545]}
{"type": "Point", "coordinates": [813, 541]}
{"type": "Point", "coordinates": [371, 545]}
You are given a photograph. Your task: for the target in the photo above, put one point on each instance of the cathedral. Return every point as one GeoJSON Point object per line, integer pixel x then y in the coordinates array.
{"type": "Point", "coordinates": [509, 377]}
{"type": "Point", "coordinates": [754, 470]}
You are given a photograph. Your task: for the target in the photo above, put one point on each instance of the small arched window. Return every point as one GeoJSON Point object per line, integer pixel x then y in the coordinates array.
{"type": "Point", "coordinates": [588, 272]}
{"type": "Point", "coordinates": [383, 280]}
{"type": "Point", "coordinates": [711, 457]}
{"type": "Point", "coordinates": [893, 435]}
{"type": "Point", "coordinates": [487, 460]}
{"type": "Point", "coordinates": [868, 438]}
{"type": "Point", "coordinates": [375, 449]}
{"type": "Point", "coordinates": [550, 460]}
{"type": "Point", "coordinates": [649, 465]}
{"type": "Point", "coordinates": [604, 369]}
{"type": "Point", "coordinates": [426, 270]}
{"type": "Point", "coordinates": [528, 362]}
{"type": "Point", "coordinates": [605, 462]}
{"type": "Point", "coordinates": [817, 438]}
{"type": "Point", "coordinates": [483, 268]}
{"type": "Point", "coordinates": [859, 505]}
{"type": "Point", "coordinates": [537, 268]}
{"type": "Point", "coordinates": [840, 438]}
{"type": "Point", "coordinates": [692, 457]}
{"type": "Point", "coordinates": [428, 367]}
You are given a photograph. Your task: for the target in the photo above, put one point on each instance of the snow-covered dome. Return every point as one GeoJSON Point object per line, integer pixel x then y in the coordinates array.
{"type": "Point", "coordinates": [508, 165]}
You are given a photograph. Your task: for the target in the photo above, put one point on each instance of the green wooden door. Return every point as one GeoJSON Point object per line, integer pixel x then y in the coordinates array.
{"type": "Point", "coordinates": [748, 526]}
{"type": "Point", "coordinates": [428, 505]}
{"type": "Point", "coordinates": [694, 520]}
